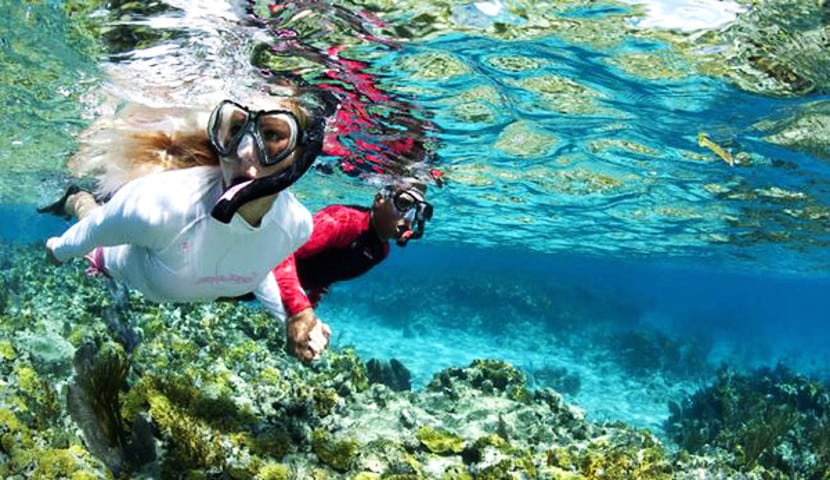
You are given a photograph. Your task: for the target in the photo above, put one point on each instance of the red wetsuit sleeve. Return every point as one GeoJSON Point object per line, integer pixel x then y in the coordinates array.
{"type": "Point", "coordinates": [335, 226]}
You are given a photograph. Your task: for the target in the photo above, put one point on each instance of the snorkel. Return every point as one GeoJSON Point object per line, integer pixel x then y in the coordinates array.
{"type": "Point", "coordinates": [417, 218]}
{"type": "Point", "coordinates": [237, 195]}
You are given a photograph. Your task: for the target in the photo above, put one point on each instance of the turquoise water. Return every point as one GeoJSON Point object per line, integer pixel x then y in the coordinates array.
{"type": "Point", "coordinates": [578, 212]}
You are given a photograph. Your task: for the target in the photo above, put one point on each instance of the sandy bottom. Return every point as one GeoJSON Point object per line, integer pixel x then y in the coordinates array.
{"type": "Point", "coordinates": [606, 392]}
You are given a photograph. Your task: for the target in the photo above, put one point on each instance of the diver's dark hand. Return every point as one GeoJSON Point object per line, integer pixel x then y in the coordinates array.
{"type": "Point", "coordinates": [307, 337]}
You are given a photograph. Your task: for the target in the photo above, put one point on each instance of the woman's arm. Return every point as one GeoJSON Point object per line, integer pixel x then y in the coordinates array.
{"type": "Point", "coordinates": [132, 216]}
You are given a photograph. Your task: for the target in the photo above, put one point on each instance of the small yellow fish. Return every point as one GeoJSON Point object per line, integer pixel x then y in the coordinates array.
{"type": "Point", "coordinates": [704, 141]}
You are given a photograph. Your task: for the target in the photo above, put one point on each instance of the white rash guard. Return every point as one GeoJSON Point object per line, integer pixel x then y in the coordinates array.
{"type": "Point", "coordinates": [159, 238]}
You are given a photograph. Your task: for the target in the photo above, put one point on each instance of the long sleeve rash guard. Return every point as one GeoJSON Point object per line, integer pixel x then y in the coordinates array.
{"type": "Point", "coordinates": [158, 236]}
{"type": "Point", "coordinates": [343, 245]}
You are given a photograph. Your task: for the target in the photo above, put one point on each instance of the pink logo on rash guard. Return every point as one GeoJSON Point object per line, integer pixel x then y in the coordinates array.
{"type": "Point", "coordinates": [231, 278]}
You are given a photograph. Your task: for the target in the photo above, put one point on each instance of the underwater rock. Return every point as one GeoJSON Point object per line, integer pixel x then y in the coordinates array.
{"type": "Point", "coordinates": [50, 353]}
{"type": "Point", "coordinates": [492, 377]}
{"type": "Point", "coordinates": [644, 352]}
{"type": "Point", "coordinates": [393, 374]}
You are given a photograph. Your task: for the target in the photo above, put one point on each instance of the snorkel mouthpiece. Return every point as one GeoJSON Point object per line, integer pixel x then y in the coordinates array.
{"type": "Point", "coordinates": [417, 218]}
{"type": "Point", "coordinates": [404, 237]}
{"type": "Point", "coordinates": [242, 193]}
{"type": "Point", "coordinates": [237, 195]}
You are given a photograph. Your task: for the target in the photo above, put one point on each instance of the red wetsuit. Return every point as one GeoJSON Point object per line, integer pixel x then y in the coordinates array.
{"type": "Point", "coordinates": [343, 245]}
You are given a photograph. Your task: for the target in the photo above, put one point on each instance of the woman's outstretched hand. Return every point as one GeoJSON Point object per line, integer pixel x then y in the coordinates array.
{"type": "Point", "coordinates": [307, 337]}
{"type": "Point", "coordinates": [50, 251]}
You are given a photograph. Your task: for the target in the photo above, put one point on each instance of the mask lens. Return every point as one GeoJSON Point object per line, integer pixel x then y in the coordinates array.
{"type": "Point", "coordinates": [228, 123]}
{"type": "Point", "coordinates": [278, 132]}
{"type": "Point", "coordinates": [404, 202]}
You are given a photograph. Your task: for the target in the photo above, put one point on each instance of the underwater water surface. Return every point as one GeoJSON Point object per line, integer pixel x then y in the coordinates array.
{"type": "Point", "coordinates": [629, 196]}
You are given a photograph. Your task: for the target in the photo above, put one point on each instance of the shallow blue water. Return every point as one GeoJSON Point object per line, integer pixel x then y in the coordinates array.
{"type": "Point", "coordinates": [661, 205]}
{"type": "Point", "coordinates": [679, 298]}
{"type": "Point", "coordinates": [578, 202]}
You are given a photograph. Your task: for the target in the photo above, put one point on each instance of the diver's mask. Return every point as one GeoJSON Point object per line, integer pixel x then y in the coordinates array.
{"type": "Point", "coordinates": [276, 134]}
{"type": "Point", "coordinates": [411, 206]}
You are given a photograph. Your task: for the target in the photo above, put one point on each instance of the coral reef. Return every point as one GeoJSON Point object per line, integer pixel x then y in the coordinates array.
{"type": "Point", "coordinates": [393, 374]}
{"type": "Point", "coordinates": [772, 421]}
{"type": "Point", "coordinates": [212, 388]}
{"type": "Point", "coordinates": [644, 352]}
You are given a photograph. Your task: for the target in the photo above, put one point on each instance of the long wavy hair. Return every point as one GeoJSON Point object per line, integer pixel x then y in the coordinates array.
{"type": "Point", "coordinates": [140, 140]}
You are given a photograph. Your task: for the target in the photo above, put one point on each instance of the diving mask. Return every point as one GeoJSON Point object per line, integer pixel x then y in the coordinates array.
{"type": "Point", "coordinates": [412, 206]}
{"type": "Point", "coordinates": [275, 133]}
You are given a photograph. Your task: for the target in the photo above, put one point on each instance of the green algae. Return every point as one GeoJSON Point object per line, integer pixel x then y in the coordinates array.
{"type": "Point", "coordinates": [493, 376]}
{"type": "Point", "coordinates": [440, 441]}
{"type": "Point", "coordinates": [7, 352]}
{"type": "Point", "coordinates": [72, 463]}
{"type": "Point", "coordinates": [325, 399]}
{"type": "Point", "coordinates": [274, 472]}
{"type": "Point", "coordinates": [27, 452]}
{"type": "Point", "coordinates": [349, 369]}
{"type": "Point", "coordinates": [367, 476]}
{"type": "Point", "coordinates": [271, 442]}
{"type": "Point", "coordinates": [456, 472]}
{"type": "Point", "coordinates": [337, 454]}
{"type": "Point", "coordinates": [196, 446]}
{"type": "Point", "coordinates": [493, 457]}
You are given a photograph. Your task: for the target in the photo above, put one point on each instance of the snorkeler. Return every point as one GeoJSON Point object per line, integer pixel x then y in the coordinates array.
{"type": "Point", "coordinates": [347, 242]}
{"type": "Point", "coordinates": [215, 220]}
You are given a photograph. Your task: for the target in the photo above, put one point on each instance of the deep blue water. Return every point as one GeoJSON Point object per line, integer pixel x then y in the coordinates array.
{"type": "Point", "coordinates": [677, 296]}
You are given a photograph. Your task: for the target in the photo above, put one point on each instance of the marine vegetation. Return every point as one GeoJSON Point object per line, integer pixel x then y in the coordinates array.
{"type": "Point", "coordinates": [393, 374]}
{"type": "Point", "coordinates": [93, 401]}
{"type": "Point", "coordinates": [644, 351]}
{"type": "Point", "coordinates": [208, 392]}
{"type": "Point", "coordinates": [771, 420]}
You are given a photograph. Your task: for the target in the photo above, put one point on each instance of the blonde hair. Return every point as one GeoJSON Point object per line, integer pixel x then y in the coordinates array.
{"type": "Point", "coordinates": [141, 140]}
